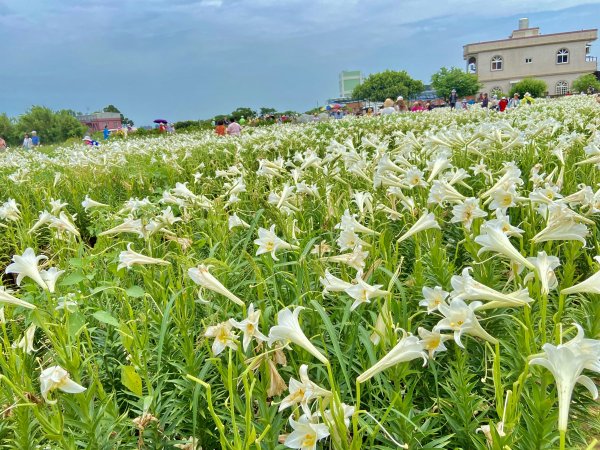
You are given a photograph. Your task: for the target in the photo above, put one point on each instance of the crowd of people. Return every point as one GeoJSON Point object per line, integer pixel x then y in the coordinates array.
{"type": "Point", "coordinates": [229, 127]}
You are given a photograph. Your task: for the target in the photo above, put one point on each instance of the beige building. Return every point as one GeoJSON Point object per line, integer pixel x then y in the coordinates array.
{"type": "Point", "coordinates": [557, 58]}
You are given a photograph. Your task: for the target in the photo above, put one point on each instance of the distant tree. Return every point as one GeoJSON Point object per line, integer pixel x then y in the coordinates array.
{"type": "Point", "coordinates": [444, 80]}
{"type": "Point", "coordinates": [52, 127]}
{"type": "Point", "coordinates": [584, 82]}
{"type": "Point", "coordinates": [289, 112]}
{"type": "Point", "coordinates": [246, 112]}
{"type": "Point", "coordinates": [388, 84]}
{"type": "Point", "coordinates": [267, 111]}
{"type": "Point", "coordinates": [114, 109]}
{"type": "Point", "coordinates": [537, 88]}
{"type": "Point", "coordinates": [7, 130]}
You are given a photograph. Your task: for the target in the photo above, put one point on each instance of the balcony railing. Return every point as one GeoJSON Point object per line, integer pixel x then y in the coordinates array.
{"type": "Point", "coordinates": [591, 58]}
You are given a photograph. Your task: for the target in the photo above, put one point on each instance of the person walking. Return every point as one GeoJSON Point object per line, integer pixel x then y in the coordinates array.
{"type": "Point", "coordinates": [27, 143]}
{"type": "Point", "coordinates": [106, 132]}
{"type": "Point", "coordinates": [234, 128]}
{"type": "Point", "coordinates": [453, 99]}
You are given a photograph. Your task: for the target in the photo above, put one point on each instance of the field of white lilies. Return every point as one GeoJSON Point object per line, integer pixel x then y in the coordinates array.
{"type": "Point", "coordinates": [418, 281]}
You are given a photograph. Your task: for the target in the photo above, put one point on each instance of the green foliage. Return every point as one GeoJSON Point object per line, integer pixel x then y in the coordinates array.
{"type": "Point", "coordinates": [264, 111]}
{"type": "Point", "coordinates": [388, 84]}
{"type": "Point", "coordinates": [114, 109]}
{"type": "Point", "coordinates": [52, 127]}
{"type": "Point", "coordinates": [584, 82]}
{"type": "Point", "coordinates": [444, 80]}
{"type": "Point", "coordinates": [248, 113]}
{"type": "Point", "coordinates": [537, 88]}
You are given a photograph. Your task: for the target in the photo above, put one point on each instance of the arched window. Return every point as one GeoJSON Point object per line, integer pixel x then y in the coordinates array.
{"type": "Point", "coordinates": [562, 87]}
{"type": "Point", "coordinates": [497, 63]}
{"type": "Point", "coordinates": [562, 56]}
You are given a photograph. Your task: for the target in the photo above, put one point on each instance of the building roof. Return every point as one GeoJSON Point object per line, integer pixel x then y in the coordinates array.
{"type": "Point", "coordinates": [539, 39]}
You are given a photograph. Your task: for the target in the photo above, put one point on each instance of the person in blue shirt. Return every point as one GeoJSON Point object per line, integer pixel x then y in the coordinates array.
{"type": "Point", "coordinates": [106, 132]}
{"type": "Point", "coordinates": [35, 139]}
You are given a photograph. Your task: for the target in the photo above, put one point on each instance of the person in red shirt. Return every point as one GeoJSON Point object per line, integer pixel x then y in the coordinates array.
{"type": "Point", "coordinates": [502, 104]}
{"type": "Point", "coordinates": [220, 128]}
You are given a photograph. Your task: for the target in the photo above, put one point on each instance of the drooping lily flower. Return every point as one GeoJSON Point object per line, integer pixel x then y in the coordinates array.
{"type": "Point", "coordinates": [128, 226]}
{"type": "Point", "coordinates": [201, 276]}
{"type": "Point", "coordinates": [88, 203]}
{"type": "Point", "coordinates": [269, 242]}
{"type": "Point", "coordinates": [354, 259]}
{"type": "Point", "coordinates": [234, 221]}
{"type": "Point", "coordinates": [56, 377]}
{"type": "Point", "coordinates": [407, 349]}
{"type": "Point", "coordinates": [544, 270]}
{"type": "Point", "coordinates": [567, 362]}
{"type": "Point", "coordinates": [249, 326]}
{"type": "Point", "coordinates": [333, 284]}
{"type": "Point", "coordinates": [128, 258]}
{"type": "Point", "coordinates": [349, 222]}
{"type": "Point", "coordinates": [26, 342]}
{"type": "Point", "coordinates": [493, 239]}
{"type": "Point", "coordinates": [425, 222]}
{"type": "Point", "coordinates": [26, 265]}
{"type": "Point", "coordinates": [288, 329]}
{"type": "Point", "coordinates": [590, 285]}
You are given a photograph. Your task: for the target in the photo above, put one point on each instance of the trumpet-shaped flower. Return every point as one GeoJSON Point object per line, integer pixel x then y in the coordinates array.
{"type": "Point", "coordinates": [26, 265]}
{"type": "Point", "coordinates": [466, 212]}
{"type": "Point", "coordinates": [354, 259]}
{"type": "Point", "coordinates": [544, 270]}
{"type": "Point", "coordinates": [349, 223]}
{"type": "Point", "coordinates": [223, 337]}
{"type": "Point", "coordinates": [88, 203]}
{"type": "Point", "coordinates": [201, 276]}
{"type": "Point", "coordinates": [249, 326]}
{"type": "Point", "coordinates": [333, 284]}
{"type": "Point", "coordinates": [425, 222]}
{"type": "Point", "coordinates": [349, 240]}
{"type": "Point", "coordinates": [433, 298]}
{"type": "Point", "coordinates": [303, 391]}
{"type": "Point", "coordinates": [50, 276]}
{"type": "Point", "coordinates": [467, 288]}
{"type": "Point", "coordinates": [590, 285]}
{"type": "Point", "coordinates": [10, 210]}
{"type": "Point", "coordinates": [26, 342]}
{"type": "Point", "coordinates": [7, 298]}
{"type": "Point", "coordinates": [433, 341]}
{"type": "Point", "coordinates": [460, 318]}
{"type": "Point", "coordinates": [407, 349]}
{"type": "Point", "coordinates": [566, 362]}
{"type": "Point", "coordinates": [56, 377]}
{"type": "Point", "coordinates": [234, 221]}
{"type": "Point", "coordinates": [44, 218]}
{"type": "Point", "coordinates": [306, 433]}
{"type": "Point", "coordinates": [269, 242]}
{"type": "Point", "coordinates": [363, 292]}
{"type": "Point", "coordinates": [128, 226]}
{"type": "Point", "coordinates": [129, 258]}
{"type": "Point", "coordinates": [288, 329]}
{"type": "Point", "coordinates": [493, 239]}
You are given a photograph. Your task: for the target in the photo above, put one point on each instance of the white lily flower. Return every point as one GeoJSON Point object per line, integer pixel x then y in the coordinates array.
{"type": "Point", "coordinates": [566, 362]}
{"type": "Point", "coordinates": [288, 329]}
{"type": "Point", "coordinates": [460, 318]}
{"type": "Point", "coordinates": [362, 292]}
{"type": "Point", "coordinates": [355, 259]}
{"type": "Point", "coordinates": [493, 239]}
{"type": "Point", "coordinates": [50, 276]}
{"type": "Point", "coordinates": [306, 433]}
{"type": "Point", "coordinates": [88, 203]}
{"type": "Point", "coordinates": [433, 341]}
{"type": "Point", "coordinates": [544, 270]}
{"type": "Point", "coordinates": [407, 349]}
{"type": "Point", "coordinates": [467, 288]}
{"type": "Point", "coordinates": [234, 221]}
{"type": "Point", "coordinates": [7, 298]}
{"type": "Point", "coordinates": [425, 222]}
{"type": "Point", "coordinates": [433, 298]}
{"type": "Point", "coordinates": [249, 326]}
{"type": "Point", "coordinates": [129, 225]}
{"type": "Point", "coordinates": [303, 391]}
{"type": "Point", "coordinates": [466, 212]}
{"type": "Point", "coordinates": [201, 276]}
{"type": "Point", "coordinates": [349, 240]}
{"type": "Point", "coordinates": [349, 222]}
{"type": "Point", "coordinates": [26, 265]}
{"type": "Point", "coordinates": [26, 342]}
{"type": "Point", "coordinates": [57, 206]}
{"type": "Point", "coordinates": [128, 258]}
{"type": "Point", "coordinates": [10, 210]}
{"type": "Point", "coordinates": [590, 285]}
{"type": "Point", "coordinates": [333, 284]}
{"type": "Point", "coordinates": [44, 218]}
{"type": "Point", "coordinates": [56, 377]}
{"type": "Point", "coordinates": [269, 242]}
{"type": "Point", "coordinates": [223, 337]}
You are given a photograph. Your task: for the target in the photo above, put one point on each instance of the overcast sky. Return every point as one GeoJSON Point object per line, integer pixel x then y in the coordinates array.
{"type": "Point", "coordinates": [191, 59]}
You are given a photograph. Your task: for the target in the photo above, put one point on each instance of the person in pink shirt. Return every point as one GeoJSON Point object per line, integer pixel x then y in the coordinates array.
{"type": "Point", "coordinates": [417, 107]}
{"type": "Point", "coordinates": [234, 128]}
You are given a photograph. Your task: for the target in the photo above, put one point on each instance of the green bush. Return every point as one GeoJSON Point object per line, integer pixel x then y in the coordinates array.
{"type": "Point", "coordinates": [537, 88]}
{"type": "Point", "coordinates": [584, 82]}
